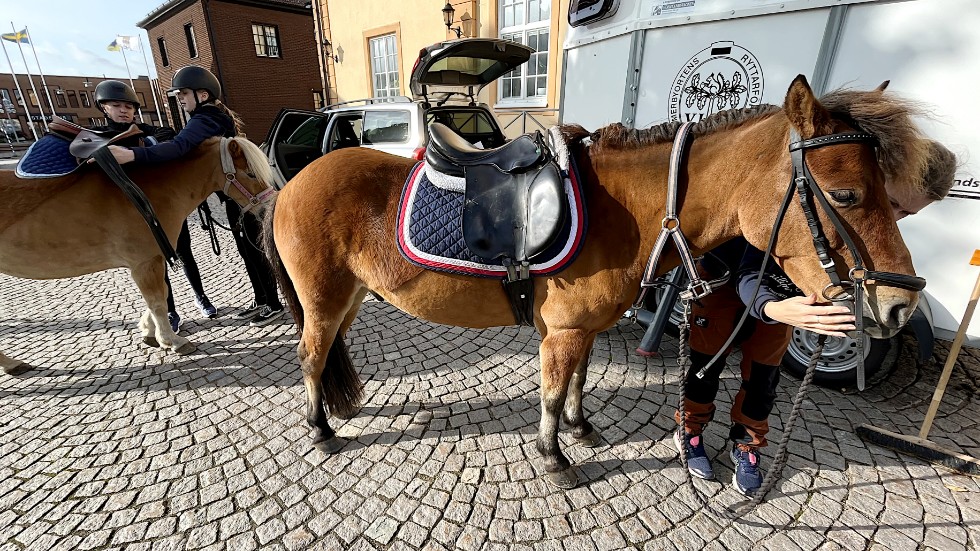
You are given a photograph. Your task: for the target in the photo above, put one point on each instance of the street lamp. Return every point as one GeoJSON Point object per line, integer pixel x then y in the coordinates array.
{"type": "Point", "coordinates": [447, 16]}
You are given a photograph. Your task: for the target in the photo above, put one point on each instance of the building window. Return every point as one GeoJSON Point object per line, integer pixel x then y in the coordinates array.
{"type": "Point", "coordinates": [142, 99]}
{"type": "Point", "coordinates": [85, 100]}
{"type": "Point", "coordinates": [72, 99]}
{"type": "Point", "coordinates": [527, 22]}
{"type": "Point", "coordinates": [266, 39]}
{"type": "Point", "coordinates": [18, 97]}
{"type": "Point", "coordinates": [59, 95]}
{"type": "Point", "coordinates": [191, 42]}
{"type": "Point", "coordinates": [5, 103]}
{"type": "Point", "coordinates": [384, 66]}
{"type": "Point", "coordinates": [33, 98]}
{"type": "Point", "coordinates": [164, 58]}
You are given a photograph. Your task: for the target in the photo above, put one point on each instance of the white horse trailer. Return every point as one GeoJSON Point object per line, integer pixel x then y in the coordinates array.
{"type": "Point", "coordinates": [643, 62]}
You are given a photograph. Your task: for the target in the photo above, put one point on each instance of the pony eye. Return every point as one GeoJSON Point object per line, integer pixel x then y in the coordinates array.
{"type": "Point", "coordinates": [845, 197]}
{"type": "Point", "coordinates": [250, 174]}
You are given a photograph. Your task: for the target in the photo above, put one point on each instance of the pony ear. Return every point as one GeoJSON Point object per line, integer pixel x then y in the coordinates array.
{"type": "Point", "coordinates": [234, 148]}
{"type": "Point", "coordinates": [804, 111]}
{"type": "Point", "coordinates": [881, 87]}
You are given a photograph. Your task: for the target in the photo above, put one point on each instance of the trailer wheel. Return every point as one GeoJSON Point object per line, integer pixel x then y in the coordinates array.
{"type": "Point", "coordinates": [838, 365]}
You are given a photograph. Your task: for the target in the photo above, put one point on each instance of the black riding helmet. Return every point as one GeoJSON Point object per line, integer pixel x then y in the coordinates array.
{"type": "Point", "coordinates": [196, 78]}
{"type": "Point", "coordinates": [114, 90]}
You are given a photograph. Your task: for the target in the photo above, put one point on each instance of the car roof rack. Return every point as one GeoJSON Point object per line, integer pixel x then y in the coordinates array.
{"type": "Point", "coordinates": [371, 101]}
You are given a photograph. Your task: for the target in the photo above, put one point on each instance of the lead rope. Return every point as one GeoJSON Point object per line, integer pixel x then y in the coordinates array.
{"type": "Point", "coordinates": [774, 474]}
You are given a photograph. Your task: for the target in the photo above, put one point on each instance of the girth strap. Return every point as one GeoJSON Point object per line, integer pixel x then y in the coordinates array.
{"type": "Point", "coordinates": [139, 200]}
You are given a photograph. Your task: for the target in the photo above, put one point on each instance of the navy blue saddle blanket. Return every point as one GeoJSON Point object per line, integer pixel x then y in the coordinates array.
{"type": "Point", "coordinates": [47, 158]}
{"type": "Point", "coordinates": [430, 230]}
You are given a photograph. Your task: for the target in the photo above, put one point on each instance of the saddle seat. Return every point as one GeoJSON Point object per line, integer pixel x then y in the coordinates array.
{"type": "Point", "coordinates": [448, 152]}
{"type": "Point", "coordinates": [84, 142]}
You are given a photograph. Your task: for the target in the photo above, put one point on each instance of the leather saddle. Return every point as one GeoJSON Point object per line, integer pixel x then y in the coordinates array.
{"type": "Point", "coordinates": [85, 142]}
{"type": "Point", "coordinates": [515, 203]}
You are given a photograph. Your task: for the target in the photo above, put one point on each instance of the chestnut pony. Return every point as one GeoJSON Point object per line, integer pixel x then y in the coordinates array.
{"type": "Point", "coordinates": [81, 223]}
{"type": "Point", "coordinates": [331, 238]}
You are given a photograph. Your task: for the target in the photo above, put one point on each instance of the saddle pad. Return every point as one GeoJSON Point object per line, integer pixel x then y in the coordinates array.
{"type": "Point", "coordinates": [47, 158]}
{"type": "Point", "coordinates": [430, 230]}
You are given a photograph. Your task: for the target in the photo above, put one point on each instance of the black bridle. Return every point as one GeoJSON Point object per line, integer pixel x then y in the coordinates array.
{"type": "Point", "coordinates": [805, 187]}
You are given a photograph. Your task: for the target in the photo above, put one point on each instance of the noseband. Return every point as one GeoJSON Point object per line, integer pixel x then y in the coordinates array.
{"type": "Point", "coordinates": [228, 167]}
{"type": "Point", "coordinates": [802, 182]}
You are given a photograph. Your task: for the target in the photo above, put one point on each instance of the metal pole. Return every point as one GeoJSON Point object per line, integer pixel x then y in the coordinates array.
{"type": "Point", "coordinates": [153, 89]}
{"type": "Point", "coordinates": [40, 72]}
{"type": "Point", "coordinates": [23, 98]}
{"type": "Point", "coordinates": [40, 105]}
{"type": "Point", "coordinates": [122, 49]}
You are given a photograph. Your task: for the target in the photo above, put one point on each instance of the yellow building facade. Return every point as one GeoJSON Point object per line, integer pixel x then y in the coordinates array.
{"type": "Point", "coordinates": [370, 46]}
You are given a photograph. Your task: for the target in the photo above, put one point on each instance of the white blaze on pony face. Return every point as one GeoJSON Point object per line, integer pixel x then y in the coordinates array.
{"type": "Point", "coordinates": [119, 111]}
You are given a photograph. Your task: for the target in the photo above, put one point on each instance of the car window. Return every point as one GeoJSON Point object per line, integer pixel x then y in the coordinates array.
{"type": "Point", "coordinates": [475, 126]}
{"type": "Point", "coordinates": [308, 133]}
{"type": "Point", "coordinates": [346, 131]}
{"type": "Point", "coordinates": [386, 127]}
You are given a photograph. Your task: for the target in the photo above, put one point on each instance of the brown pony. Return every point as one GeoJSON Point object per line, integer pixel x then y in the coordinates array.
{"type": "Point", "coordinates": [332, 233]}
{"type": "Point", "coordinates": [81, 223]}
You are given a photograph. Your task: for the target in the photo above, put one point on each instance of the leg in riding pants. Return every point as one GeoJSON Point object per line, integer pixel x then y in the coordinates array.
{"type": "Point", "coordinates": [190, 267]}
{"type": "Point", "coordinates": [711, 324]}
{"type": "Point", "coordinates": [247, 236]}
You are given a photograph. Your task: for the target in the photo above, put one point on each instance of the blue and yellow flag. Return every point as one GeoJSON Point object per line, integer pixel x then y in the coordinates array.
{"type": "Point", "coordinates": [113, 46]}
{"type": "Point", "coordinates": [16, 37]}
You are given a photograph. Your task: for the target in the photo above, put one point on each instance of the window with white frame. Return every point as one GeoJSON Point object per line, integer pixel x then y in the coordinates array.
{"type": "Point", "coordinates": [527, 22]}
{"type": "Point", "coordinates": [266, 39]}
{"type": "Point", "coordinates": [384, 66]}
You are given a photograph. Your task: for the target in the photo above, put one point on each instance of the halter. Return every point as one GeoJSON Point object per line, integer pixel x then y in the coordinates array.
{"type": "Point", "coordinates": [228, 167]}
{"type": "Point", "coordinates": [806, 188]}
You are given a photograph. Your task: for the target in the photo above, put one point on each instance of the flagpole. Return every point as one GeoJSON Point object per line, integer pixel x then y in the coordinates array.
{"type": "Point", "coordinates": [153, 89]}
{"type": "Point", "coordinates": [23, 98]}
{"type": "Point", "coordinates": [40, 104]}
{"type": "Point", "coordinates": [130, 75]}
{"type": "Point", "coordinates": [10, 126]}
{"type": "Point", "coordinates": [44, 84]}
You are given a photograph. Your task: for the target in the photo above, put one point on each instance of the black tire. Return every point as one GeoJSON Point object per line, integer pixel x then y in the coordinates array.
{"type": "Point", "coordinates": [837, 367]}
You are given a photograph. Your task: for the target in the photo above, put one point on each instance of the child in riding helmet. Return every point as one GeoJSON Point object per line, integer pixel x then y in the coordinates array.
{"type": "Point", "coordinates": [198, 91]}
{"type": "Point", "coordinates": [119, 103]}
{"type": "Point", "coordinates": [778, 306]}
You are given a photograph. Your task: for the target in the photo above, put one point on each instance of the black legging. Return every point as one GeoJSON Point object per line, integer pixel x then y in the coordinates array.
{"type": "Point", "coordinates": [190, 267]}
{"type": "Point", "coordinates": [259, 272]}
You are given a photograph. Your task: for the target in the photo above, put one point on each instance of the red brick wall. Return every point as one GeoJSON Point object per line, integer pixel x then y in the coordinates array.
{"type": "Point", "coordinates": [255, 87]}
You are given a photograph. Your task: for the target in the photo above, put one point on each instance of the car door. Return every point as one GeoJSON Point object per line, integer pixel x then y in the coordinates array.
{"type": "Point", "coordinates": [295, 140]}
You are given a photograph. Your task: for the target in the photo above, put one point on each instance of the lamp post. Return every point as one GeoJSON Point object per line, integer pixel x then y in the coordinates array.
{"type": "Point", "coordinates": [448, 12]}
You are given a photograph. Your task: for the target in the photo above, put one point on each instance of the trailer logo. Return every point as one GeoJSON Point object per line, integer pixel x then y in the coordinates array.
{"type": "Point", "coordinates": [721, 76]}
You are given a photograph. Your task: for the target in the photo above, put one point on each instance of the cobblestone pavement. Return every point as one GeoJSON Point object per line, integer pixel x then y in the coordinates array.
{"type": "Point", "coordinates": [108, 444]}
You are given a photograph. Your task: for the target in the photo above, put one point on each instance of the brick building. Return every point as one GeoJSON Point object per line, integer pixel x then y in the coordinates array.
{"type": "Point", "coordinates": [262, 52]}
{"type": "Point", "coordinates": [73, 97]}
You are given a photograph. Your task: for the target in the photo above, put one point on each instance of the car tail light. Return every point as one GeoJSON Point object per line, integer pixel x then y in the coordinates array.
{"type": "Point", "coordinates": [419, 153]}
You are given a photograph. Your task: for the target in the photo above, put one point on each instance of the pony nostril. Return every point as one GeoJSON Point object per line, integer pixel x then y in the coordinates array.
{"type": "Point", "coordinates": [898, 314]}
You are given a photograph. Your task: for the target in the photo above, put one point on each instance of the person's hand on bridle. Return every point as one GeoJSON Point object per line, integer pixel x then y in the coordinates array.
{"type": "Point", "coordinates": [803, 312]}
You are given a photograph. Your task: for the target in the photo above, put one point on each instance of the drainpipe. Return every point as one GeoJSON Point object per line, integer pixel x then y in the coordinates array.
{"type": "Point", "coordinates": [206, 4]}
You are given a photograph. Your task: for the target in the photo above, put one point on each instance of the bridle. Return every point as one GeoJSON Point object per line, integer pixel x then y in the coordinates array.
{"type": "Point", "coordinates": [805, 187]}
{"type": "Point", "coordinates": [231, 179]}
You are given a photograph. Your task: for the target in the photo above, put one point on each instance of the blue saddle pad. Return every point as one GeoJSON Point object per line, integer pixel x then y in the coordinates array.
{"type": "Point", "coordinates": [47, 158]}
{"type": "Point", "coordinates": [430, 230]}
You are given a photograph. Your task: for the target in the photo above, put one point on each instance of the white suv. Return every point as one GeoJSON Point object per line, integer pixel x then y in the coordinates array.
{"type": "Point", "coordinates": [445, 81]}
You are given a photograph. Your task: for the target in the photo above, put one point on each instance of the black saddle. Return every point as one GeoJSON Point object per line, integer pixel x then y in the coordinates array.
{"type": "Point", "coordinates": [84, 142]}
{"type": "Point", "coordinates": [448, 152]}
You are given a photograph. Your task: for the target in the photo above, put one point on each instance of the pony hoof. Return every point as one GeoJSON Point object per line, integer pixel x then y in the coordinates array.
{"type": "Point", "coordinates": [151, 341]}
{"type": "Point", "coordinates": [18, 369]}
{"type": "Point", "coordinates": [565, 480]}
{"type": "Point", "coordinates": [331, 446]}
{"type": "Point", "coordinates": [590, 440]}
{"type": "Point", "coordinates": [185, 349]}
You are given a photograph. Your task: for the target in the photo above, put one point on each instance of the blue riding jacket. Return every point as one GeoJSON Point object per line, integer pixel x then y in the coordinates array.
{"type": "Point", "coordinates": [207, 121]}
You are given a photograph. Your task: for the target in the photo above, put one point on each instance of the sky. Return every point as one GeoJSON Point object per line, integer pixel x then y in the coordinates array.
{"type": "Point", "coordinates": [71, 36]}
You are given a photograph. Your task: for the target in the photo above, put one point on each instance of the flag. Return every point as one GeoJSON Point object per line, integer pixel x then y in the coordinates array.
{"type": "Point", "coordinates": [128, 42]}
{"type": "Point", "coordinates": [16, 37]}
{"type": "Point", "coordinates": [114, 46]}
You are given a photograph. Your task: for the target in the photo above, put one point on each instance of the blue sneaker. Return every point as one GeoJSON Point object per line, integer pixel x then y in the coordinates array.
{"type": "Point", "coordinates": [748, 475]}
{"type": "Point", "coordinates": [174, 321]}
{"type": "Point", "coordinates": [698, 463]}
{"type": "Point", "coordinates": [204, 305]}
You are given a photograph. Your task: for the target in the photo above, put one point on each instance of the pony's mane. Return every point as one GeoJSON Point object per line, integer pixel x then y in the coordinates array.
{"type": "Point", "coordinates": [903, 154]}
{"type": "Point", "coordinates": [257, 161]}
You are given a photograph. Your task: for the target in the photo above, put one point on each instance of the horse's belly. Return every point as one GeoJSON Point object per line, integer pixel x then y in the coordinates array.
{"type": "Point", "coordinates": [453, 300]}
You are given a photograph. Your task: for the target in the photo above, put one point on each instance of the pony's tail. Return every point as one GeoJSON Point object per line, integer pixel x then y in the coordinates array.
{"type": "Point", "coordinates": [343, 390]}
{"type": "Point", "coordinates": [275, 261]}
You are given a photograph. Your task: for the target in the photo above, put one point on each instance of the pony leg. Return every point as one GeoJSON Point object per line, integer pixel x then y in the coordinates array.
{"type": "Point", "coordinates": [12, 366]}
{"type": "Point", "coordinates": [330, 380]}
{"type": "Point", "coordinates": [561, 354]}
{"type": "Point", "coordinates": [583, 431]}
{"type": "Point", "coordinates": [149, 278]}
{"type": "Point", "coordinates": [148, 329]}
{"type": "Point", "coordinates": [342, 355]}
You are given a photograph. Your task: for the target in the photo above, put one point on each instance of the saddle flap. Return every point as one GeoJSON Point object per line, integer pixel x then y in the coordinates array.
{"type": "Point", "coordinates": [514, 216]}
{"type": "Point", "coordinates": [87, 142]}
